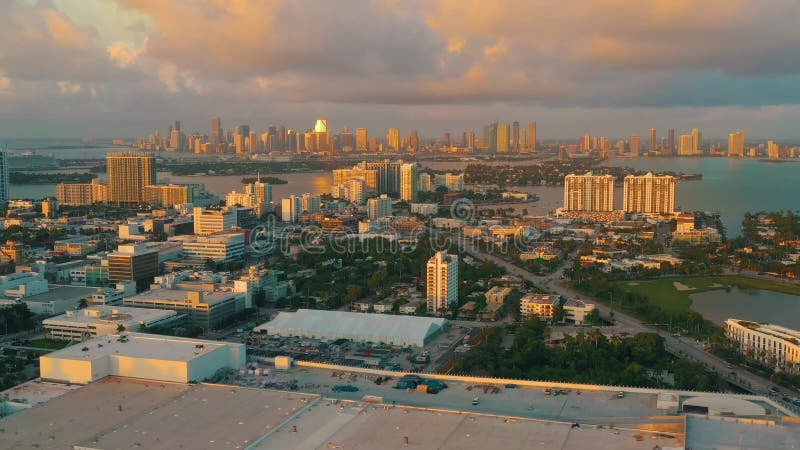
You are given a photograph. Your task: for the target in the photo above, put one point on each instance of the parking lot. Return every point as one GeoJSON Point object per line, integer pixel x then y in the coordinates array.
{"type": "Point", "coordinates": [349, 353]}
{"type": "Point", "coordinates": [574, 405]}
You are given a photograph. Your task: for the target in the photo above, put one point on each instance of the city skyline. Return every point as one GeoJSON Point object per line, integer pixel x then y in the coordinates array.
{"type": "Point", "coordinates": [115, 68]}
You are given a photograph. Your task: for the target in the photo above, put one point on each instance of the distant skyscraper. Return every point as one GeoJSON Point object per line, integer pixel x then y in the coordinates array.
{"type": "Point", "coordinates": [446, 140]}
{"type": "Point", "coordinates": [736, 144]}
{"type": "Point", "coordinates": [515, 142]}
{"type": "Point", "coordinates": [3, 177]}
{"type": "Point", "coordinates": [652, 140]}
{"type": "Point", "coordinates": [696, 141]}
{"type": "Point", "coordinates": [216, 131]}
{"type": "Point", "coordinates": [685, 145]}
{"type": "Point", "coordinates": [773, 150]}
{"type": "Point", "coordinates": [409, 182]}
{"type": "Point", "coordinates": [252, 142]}
{"type": "Point", "coordinates": [671, 141]}
{"type": "Point", "coordinates": [362, 140]}
{"type": "Point", "coordinates": [585, 143]}
{"type": "Point", "coordinates": [413, 140]}
{"type": "Point", "coordinates": [532, 136]}
{"type": "Point", "coordinates": [503, 137]}
{"type": "Point", "coordinates": [490, 137]}
{"type": "Point", "coordinates": [393, 139]}
{"type": "Point", "coordinates": [346, 140]}
{"type": "Point", "coordinates": [471, 141]}
{"type": "Point", "coordinates": [634, 145]}
{"type": "Point", "coordinates": [321, 126]}
{"type": "Point", "coordinates": [442, 282]}
{"type": "Point", "coordinates": [128, 174]}
{"type": "Point", "coordinates": [649, 194]}
{"type": "Point", "coordinates": [589, 192]}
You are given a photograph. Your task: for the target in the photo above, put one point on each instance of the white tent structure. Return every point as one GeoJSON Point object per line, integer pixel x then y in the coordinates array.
{"type": "Point", "coordinates": [361, 327]}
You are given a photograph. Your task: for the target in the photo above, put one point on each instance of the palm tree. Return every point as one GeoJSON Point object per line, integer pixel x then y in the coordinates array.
{"type": "Point", "coordinates": [595, 335]}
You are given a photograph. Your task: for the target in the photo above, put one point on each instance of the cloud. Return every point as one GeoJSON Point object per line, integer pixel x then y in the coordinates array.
{"type": "Point", "coordinates": [123, 55]}
{"type": "Point", "coordinates": [68, 87]}
{"type": "Point", "coordinates": [261, 55]}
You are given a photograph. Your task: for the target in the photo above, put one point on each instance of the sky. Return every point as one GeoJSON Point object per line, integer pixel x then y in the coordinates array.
{"type": "Point", "coordinates": [121, 68]}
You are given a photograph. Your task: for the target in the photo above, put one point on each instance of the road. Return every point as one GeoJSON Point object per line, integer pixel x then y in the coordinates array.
{"type": "Point", "coordinates": [679, 346]}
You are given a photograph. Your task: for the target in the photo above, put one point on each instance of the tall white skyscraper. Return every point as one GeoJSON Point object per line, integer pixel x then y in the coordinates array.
{"type": "Point", "coordinates": [442, 282]}
{"type": "Point", "coordinates": [409, 182]}
{"type": "Point", "coordinates": [589, 192]}
{"type": "Point", "coordinates": [649, 194]}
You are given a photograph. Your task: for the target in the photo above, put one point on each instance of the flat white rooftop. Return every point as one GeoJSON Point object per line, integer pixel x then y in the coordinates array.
{"type": "Point", "coordinates": [106, 314]}
{"type": "Point", "coordinates": [398, 330]}
{"type": "Point", "coordinates": [140, 345]}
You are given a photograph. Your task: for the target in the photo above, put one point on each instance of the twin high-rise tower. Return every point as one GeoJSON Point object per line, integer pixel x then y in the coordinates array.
{"type": "Point", "coordinates": [650, 194]}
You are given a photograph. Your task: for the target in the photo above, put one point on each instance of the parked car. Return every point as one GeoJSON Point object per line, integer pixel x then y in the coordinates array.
{"type": "Point", "coordinates": [344, 388]}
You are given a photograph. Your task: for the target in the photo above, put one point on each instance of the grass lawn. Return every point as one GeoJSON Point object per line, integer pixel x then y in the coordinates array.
{"type": "Point", "coordinates": [52, 344]}
{"type": "Point", "coordinates": [666, 294]}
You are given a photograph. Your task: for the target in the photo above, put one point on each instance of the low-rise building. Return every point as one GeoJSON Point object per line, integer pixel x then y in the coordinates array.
{"type": "Point", "coordinates": [772, 345]}
{"type": "Point", "coordinates": [497, 295]}
{"type": "Point", "coordinates": [541, 306]}
{"type": "Point", "coordinates": [96, 321]}
{"type": "Point", "coordinates": [425, 209]}
{"type": "Point", "coordinates": [206, 307]}
{"type": "Point", "coordinates": [142, 356]}
{"type": "Point", "coordinates": [577, 311]}
{"type": "Point", "coordinates": [219, 247]}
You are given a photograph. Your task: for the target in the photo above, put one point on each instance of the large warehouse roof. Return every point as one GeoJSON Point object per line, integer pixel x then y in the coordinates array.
{"type": "Point", "coordinates": [389, 329]}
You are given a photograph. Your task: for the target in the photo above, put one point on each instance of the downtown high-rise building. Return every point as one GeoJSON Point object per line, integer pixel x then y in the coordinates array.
{"type": "Point", "coordinates": [216, 131]}
{"type": "Point", "coordinates": [128, 174]}
{"type": "Point", "coordinates": [685, 145]}
{"type": "Point", "coordinates": [362, 140]}
{"type": "Point", "coordinates": [532, 137]}
{"type": "Point", "coordinates": [652, 140]}
{"type": "Point", "coordinates": [413, 141]}
{"type": "Point", "coordinates": [441, 282]}
{"type": "Point", "coordinates": [736, 144]}
{"type": "Point", "coordinates": [393, 139]}
{"type": "Point", "coordinates": [696, 141]}
{"type": "Point", "coordinates": [470, 145]}
{"type": "Point", "coordinates": [515, 140]}
{"type": "Point", "coordinates": [773, 150]}
{"type": "Point", "coordinates": [585, 143]}
{"type": "Point", "coordinates": [503, 137]}
{"type": "Point", "coordinates": [649, 194]}
{"type": "Point", "coordinates": [490, 137]}
{"type": "Point", "coordinates": [671, 141]}
{"type": "Point", "coordinates": [593, 193]}
{"type": "Point", "coordinates": [409, 182]}
{"type": "Point", "coordinates": [634, 145]}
